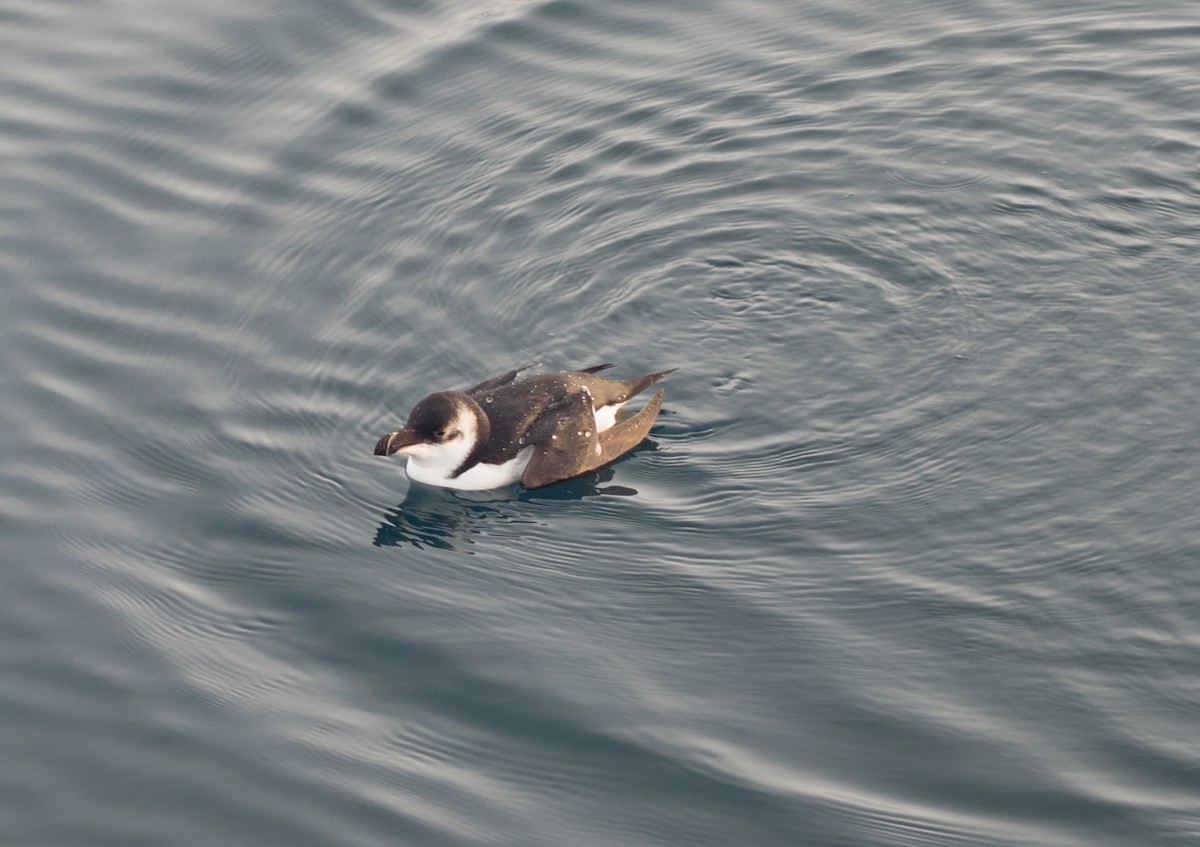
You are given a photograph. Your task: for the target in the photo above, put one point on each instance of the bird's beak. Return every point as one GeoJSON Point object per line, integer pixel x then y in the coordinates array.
{"type": "Point", "coordinates": [396, 441]}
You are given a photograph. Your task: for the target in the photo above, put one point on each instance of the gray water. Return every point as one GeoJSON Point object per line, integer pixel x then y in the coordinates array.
{"type": "Point", "coordinates": [911, 557]}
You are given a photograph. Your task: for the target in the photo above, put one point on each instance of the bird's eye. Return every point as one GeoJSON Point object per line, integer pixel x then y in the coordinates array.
{"type": "Point", "coordinates": [440, 434]}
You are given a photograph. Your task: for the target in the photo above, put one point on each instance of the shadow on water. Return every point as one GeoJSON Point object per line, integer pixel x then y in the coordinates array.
{"type": "Point", "coordinates": [431, 517]}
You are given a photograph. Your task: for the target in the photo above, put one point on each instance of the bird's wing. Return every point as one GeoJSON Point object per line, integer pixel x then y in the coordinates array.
{"type": "Point", "coordinates": [497, 381]}
{"type": "Point", "coordinates": [619, 439]}
{"type": "Point", "coordinates": [567, 445]}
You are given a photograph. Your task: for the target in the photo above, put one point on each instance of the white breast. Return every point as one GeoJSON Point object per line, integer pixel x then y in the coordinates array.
{"type": "Point", "coordinates": [477, 477]}
{"type": "Point", "coordinates": [433, 464]}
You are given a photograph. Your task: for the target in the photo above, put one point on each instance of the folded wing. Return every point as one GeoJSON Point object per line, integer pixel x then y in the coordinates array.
{"type": "Point", "coordinates": [497, 381]}
{"type": "Point", "coordinates": [566, 443]}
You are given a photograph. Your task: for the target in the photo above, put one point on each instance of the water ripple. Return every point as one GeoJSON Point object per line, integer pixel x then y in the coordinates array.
{"type": "Point", "coordinates": [904, 560]}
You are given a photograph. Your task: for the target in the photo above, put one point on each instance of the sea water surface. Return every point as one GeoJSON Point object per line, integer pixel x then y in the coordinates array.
{"type": "Point", "coordinates": [912, 556]}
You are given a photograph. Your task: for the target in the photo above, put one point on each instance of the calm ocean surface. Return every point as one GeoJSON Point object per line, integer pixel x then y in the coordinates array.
{"type": "Point", "coordinates": [912, 556]}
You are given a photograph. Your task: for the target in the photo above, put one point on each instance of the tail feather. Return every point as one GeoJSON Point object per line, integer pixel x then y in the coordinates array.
{"type": "Point", "coordinates": [620, 438]}
{"type": "Point", "coordinates": [638, 384]}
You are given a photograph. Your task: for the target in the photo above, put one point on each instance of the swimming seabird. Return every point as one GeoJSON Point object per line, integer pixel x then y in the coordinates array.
{"type": "Point", "coordinates": [539, 430]}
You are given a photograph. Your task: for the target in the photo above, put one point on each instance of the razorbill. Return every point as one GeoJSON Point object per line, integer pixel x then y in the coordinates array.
{"type": "Point", "coordinates": [540, 430]}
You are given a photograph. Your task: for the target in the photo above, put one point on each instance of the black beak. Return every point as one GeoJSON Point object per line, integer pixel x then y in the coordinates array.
{"type": "Point", "coordinates": [394, 441]}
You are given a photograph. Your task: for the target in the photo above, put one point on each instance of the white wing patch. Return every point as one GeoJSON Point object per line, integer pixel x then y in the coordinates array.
{"type": "Point", "coordinates": [606, 416]}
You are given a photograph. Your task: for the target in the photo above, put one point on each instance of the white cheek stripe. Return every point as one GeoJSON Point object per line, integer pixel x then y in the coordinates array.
{"type": "Point", "coordinates": [433, 463]}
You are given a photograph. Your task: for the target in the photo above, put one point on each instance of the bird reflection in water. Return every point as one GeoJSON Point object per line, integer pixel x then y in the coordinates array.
{"type": "Point", "coordinates": [446, 519]}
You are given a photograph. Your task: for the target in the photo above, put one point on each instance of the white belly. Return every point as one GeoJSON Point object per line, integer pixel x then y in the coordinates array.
{"type": "Point", "coordinates": [477, 478]}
